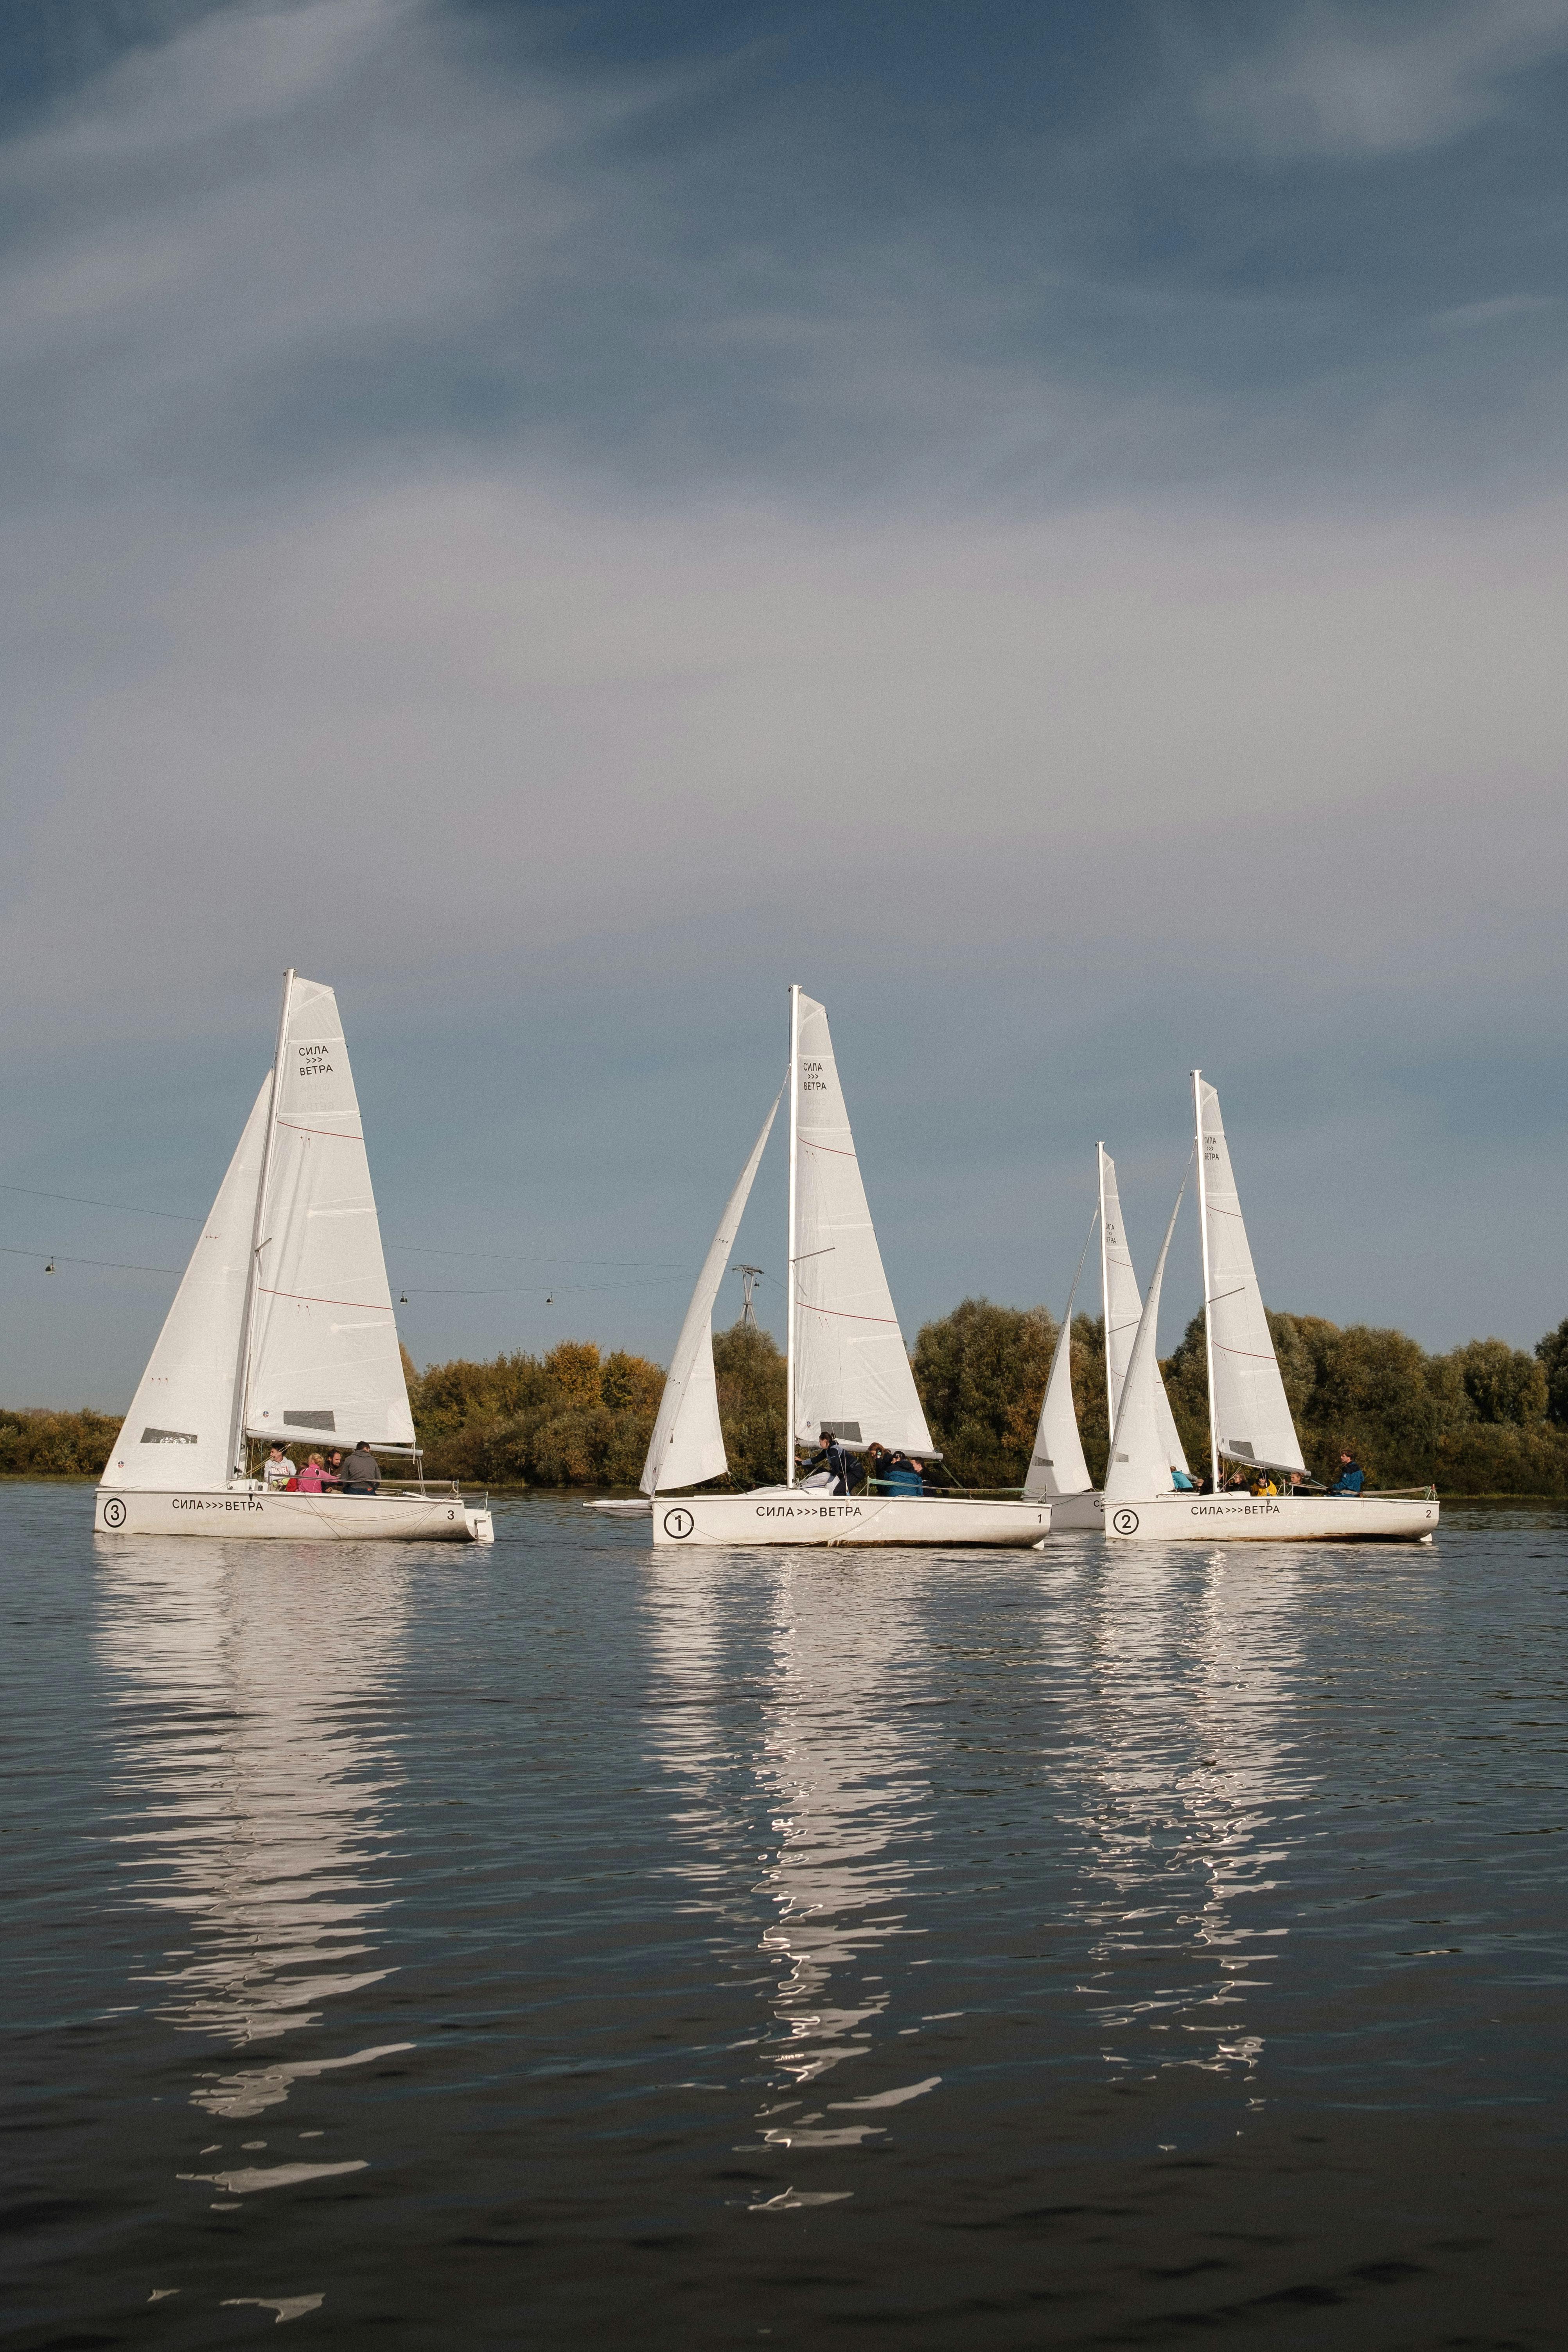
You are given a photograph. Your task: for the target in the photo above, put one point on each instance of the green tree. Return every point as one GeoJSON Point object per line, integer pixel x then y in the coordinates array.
{"type": "Point", "coordinates": [749, 1369]}
{"type": "Point", "coordinates": [1552, 1352]}
{"type": "Point", "coordinates": [1502, 1384]}
{"type": "Point", "coordinates": [981, 1375]}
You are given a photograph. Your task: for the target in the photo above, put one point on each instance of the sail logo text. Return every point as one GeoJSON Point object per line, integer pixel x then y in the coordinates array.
{"type": "Point", "coordinates": [313, 1062]}
{"type": "Point", "coordinates": [811, 1079]}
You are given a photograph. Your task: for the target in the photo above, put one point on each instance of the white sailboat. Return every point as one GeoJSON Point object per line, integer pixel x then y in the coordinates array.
{"type": "Point", "coordinates": [1249, 1415]}
{"type": "Point", "coordinates": [282, 1328]}
{"type": "Point", "coordinates": [1059, 1452]}
{"type": "Point", "coordinates": [847, 1372]}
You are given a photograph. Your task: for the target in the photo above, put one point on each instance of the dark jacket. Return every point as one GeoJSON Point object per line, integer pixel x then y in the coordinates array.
{"type": "Point", "coordinates": [1350, 1480]}
{"type": "Point", "coordinates": [362, 1470]}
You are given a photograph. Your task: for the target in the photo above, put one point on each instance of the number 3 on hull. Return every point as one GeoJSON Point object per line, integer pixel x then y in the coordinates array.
{"type": "Point", "coordinates": [283, 1330]}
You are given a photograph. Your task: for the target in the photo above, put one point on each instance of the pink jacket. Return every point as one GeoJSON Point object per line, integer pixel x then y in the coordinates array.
{"type": "Point", "coordinates": [309, 1479]}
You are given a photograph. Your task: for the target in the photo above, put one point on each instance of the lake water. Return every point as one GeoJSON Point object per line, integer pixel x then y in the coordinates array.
{"type": "Point", "coordinates": [561, 1943]}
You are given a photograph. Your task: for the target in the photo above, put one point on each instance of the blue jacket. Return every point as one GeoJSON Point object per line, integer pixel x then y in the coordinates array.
{"type": "Point", "coordinates": [905, 1482]}
{"type": "Point", "coordinates": [1349, 1482]}
{"type": "Point", "coordinates": [1181, 1483]}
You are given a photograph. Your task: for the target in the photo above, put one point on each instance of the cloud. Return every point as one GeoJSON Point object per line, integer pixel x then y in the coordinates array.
{"type": "Point", "coordinates": [1360, 84]}
{"type": "Point", "coordinates": [561, 545]}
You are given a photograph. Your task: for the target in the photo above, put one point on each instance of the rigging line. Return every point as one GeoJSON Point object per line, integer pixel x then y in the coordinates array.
{"type": "Point", "coordinates": [527, 1257]}
{"type": "Point", "coordinates": [567, 1290]}
{"type": "Point", "coordinates": [111, 1266]}
{"type": "Point", "coordinates": [79, 1201]}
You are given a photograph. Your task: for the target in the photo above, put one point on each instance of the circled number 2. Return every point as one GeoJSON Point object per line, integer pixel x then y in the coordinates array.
{"type": "Point", "coordinates": [1125, 1523]}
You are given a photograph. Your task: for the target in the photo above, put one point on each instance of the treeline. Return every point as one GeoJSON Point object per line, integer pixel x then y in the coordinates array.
{"type": "Point", "coordinates": [56, 1444]}
{"type": "Point", "coordinates": [1485, 1419]}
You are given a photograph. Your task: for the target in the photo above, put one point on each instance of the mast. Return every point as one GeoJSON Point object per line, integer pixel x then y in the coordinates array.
{"type": "Point", "coordinates": [1105, 1292]}
{"type": "Point", "coordinates": [1204, 1238]}
{"type": "Point", "coordinates": [248, 1321]}
{"type": "Point", "coordinates": [789, 1254]}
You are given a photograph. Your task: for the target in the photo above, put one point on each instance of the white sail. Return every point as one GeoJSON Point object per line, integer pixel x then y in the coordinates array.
{"type": "Point", "coordinates": [1056, 1465]}
{"type": "Point", "coordinates": [181, 1420]}
{"type": "Point", "coordinates": [1124, 1311]}
{"type": "Point", "coordinates": [325, 1366]}
{"type": "Point", "coordinates": [852, 1375]}
{"type": "Point", "coordinates": [1252, 1419]}
{"type": "Point", "coordinates": [1140, 1467]}
{"type": "Point", "coordinates": [688, 1443]}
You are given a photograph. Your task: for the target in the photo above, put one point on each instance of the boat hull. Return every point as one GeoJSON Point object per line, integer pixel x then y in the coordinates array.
{"type": "Point", "coordinates": [781, 1517]}
{"type": "Point", "coordinates": [290, 1519]}
{"type": "Point", "coordinates": [1273, 1518]}
{"type": "Point", "coordinates": [1077, 1515]}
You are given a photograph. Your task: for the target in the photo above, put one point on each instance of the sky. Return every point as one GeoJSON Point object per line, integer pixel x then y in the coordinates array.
{"type": "Point", "coordinates": [1045, 524]}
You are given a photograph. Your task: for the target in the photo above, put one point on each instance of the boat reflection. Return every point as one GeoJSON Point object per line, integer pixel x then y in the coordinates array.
{"type": "Point", "coordinates": [1189, 1782]}
{"type": "Point", "coordinates": [827, 1789]}
{"type": "Point", "coordinates": [250, 1703]}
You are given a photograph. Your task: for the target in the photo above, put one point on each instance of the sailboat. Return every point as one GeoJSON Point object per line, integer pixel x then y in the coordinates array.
{"type": "Point", "coordinates": [1249, 1415]}
{"type": "Point", "coordinates": [1056, 1466]}
{"type": "Point", "coordinates": [283, 1330]}
{"type": "Point", "coordinates": [847, 1372]}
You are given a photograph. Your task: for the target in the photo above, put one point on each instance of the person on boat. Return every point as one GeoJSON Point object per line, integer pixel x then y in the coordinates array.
{"type": "Point", "coordinates": [332, 1471]}
{"type": "Point", "coordinates": [1352, 1477]}
{"type": "Point", "coordinates": [1182, 1480]}
{"type": "Point", "coordinates": [1237, 1483]}
{"type": "Point", "coordinates": [878, 1464]}
{"type": "Point", "coordinates": [1205, 1485]}
{"type": "Point", "coordinates": [905, 1477]}
{"type": "Point", "coordinates": [1264, 1485]}
{"type": "Point", "coordinates": [308, 1481]}
{"type": "Point", "coordinates": [277, 1470]}
{"type": "Point", "coordinates": [362, 1471]}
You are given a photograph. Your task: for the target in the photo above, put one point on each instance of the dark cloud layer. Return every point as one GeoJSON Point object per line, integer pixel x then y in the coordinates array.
{"type": "Point", "coordinates": [1044, 523]}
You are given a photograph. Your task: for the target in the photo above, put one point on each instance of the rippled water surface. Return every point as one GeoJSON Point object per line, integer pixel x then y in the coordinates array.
{"type": "Point", "coordinates": [562, 1943]}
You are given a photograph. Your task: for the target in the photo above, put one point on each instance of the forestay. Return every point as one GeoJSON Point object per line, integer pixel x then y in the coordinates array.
{"type": "Point", "coordinates": [1252, 1419]}
{"type": "Point", "coordinates": [1056, 1465]}
{"type": "Point", "coordinates": [181, 1422]}
{"type": "Point", "coordinates": [1140, 1467]}
{"type": "Point", "coordinates": [1124, 1311]}
{"type": "Point", "coordinates": [325, 1366]}
{"type": "Point", "coordinates": [851, 1372]}
{"type": "Point", "coordinates": [688, 1443]}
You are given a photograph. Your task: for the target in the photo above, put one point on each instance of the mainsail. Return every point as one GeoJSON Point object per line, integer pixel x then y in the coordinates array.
{"type": "Point", "coordinates": [688, 1443]}
{"type": "Point", "coordinates": [1056, 1465]}
{"type": "Point", "coordinates": [324, 1362]}
{"type": "Point", "coordinates": [1252, 1419]}
{"type": "Point", "coordinates": [1124, 1311]}
{"type": "Point", "coordinates": [852, 1376]}
{"type": "Point", "coordinates": [1140, 1467]}
{"type": "Point", "coordinates": [177, 1430]}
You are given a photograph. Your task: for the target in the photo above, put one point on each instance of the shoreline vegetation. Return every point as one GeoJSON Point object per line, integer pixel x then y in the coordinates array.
{"type": "Point", "coordinates": [1485, 1420]}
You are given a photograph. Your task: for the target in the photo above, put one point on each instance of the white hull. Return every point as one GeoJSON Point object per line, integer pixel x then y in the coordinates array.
{"type": "Point", "coordinates": [775, 1516]}
{"type": "Point", "coordinates": [290, 1519]}
{"type": "Point", "coordinates": [1268, 1518]}
{"type": "Point", "coordinates": [1077, 1515]}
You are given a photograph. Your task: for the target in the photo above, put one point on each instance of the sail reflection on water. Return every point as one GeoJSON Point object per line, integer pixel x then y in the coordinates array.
{"type": "Point", "coordinates": [1189, 1785]}
{"type": "Point", "coordinates": [843, 1792]}
{"type": "Point", "coordinates": [255, 1772]}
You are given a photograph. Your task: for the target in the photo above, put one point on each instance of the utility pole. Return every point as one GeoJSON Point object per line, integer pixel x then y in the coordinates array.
{"type": "Point", "coordinates": [749, 1275]}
